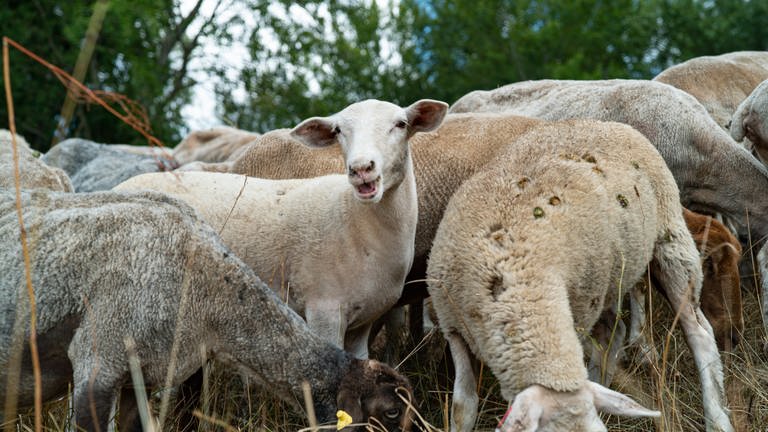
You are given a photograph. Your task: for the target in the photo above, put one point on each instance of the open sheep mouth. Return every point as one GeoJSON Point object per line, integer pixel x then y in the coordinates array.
{"type": "Point", "coordinates": [367, 190]}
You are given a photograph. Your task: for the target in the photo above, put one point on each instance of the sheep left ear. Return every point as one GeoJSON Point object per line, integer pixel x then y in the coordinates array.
{"type": "Point", "coordinates": [425, 115]}
{"type": "Point", "coordinates": [612, 402]}
{"type": "Point", "coordinates": [315, 132]}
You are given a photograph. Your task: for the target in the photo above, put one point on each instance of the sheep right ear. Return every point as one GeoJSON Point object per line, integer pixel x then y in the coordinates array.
{"type": "Point", "coordinates": [316, 132]}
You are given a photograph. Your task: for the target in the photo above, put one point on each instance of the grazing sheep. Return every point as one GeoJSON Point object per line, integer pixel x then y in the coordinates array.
{"type": "Point", "coordinates": [337, 247]}
{"type": "Point", "coordinates": [214, 145]}
{"type": "Point", "coordinates": [750, 121]}
{"type": "Point", "coordinates": [536, 245]}
{"type": "Point", "coordinates": [729, 86]}
{"type": "Point", "coordinates": [721, 82]}
{"type": "Point", "coordinates": [33, 173]}
{"type": "Point", "coordinates": [714, 174]}
{"type": "Point", "coordinates": [107, 266]}
{"type": "Point", "coordinates": [720, 301]}
{"type": "Point", "coordinates": [94, 167]}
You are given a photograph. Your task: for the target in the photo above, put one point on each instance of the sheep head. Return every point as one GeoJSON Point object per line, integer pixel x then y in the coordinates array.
{"type": "Point", "coordinates": [374, 140]}
{"type": "Point", "coordinates": [541, 409]}
{"type": "Point", "coordinates": [371, 394]}
{"type": "Point", "coordinates": [750, 121]}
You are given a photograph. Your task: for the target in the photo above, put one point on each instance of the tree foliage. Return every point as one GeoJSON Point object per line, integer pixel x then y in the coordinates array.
{"type": "Point", "coordinates": [445, 48]}
{"type": "Point", "coordinates": [143, 52]}
{"type": "Point", "coordinates": [313, 57]}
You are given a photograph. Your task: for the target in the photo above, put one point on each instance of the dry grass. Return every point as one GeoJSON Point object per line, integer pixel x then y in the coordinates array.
{"type": "Point", "coordinates": [671, 386]}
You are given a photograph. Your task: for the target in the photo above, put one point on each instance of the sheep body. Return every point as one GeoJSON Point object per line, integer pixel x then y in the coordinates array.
{"type": "Point", "coordinates": [720, 83]}
{"type": "Point", "coordinates": [542, 240]}
{"type": "Point", "coordinates": [94, 167]}
{"type": "Point", "coordinates": [213, 145]}
{"type": "Point", "coordinates": [106, 266]}
{"type": "Point", "coordinates": [33, 173]}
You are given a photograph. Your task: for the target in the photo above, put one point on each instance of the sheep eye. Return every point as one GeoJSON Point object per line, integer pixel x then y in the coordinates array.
{"type": "Point", "coordinates": [401, 124]}
{"type": "Point", "coordinates": [336, 130]}
{"type": "Point", "coordinates": [392, 414]}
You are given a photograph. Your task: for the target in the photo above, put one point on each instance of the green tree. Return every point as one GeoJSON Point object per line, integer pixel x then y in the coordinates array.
{"type": "Point", "coordinates": [339, 52]}
{"type": "Point", "coordinates": [143, 52]}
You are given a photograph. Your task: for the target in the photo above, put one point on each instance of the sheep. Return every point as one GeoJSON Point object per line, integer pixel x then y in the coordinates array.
{"type": "Point", "coordinates": [32, 172]}
{"type": "Point", "coordinates": [536, 245]}
{"type": "Point", "coordinates": [94, 167]}
{"type": "Point", "coordinates": [720, 83]}
{"type": "Point", "coordinates": [720, 252]}
{"type": "Point", "coordinates": [733, 89]}
{"type": "Point", "coordinates": [714, 174]}
{"type": "Point", "coordinates": [337, 247]}
{"type": "Point", "coordinates": [214, 145]}
{"type": "Point", "coordinates": [106, 266]}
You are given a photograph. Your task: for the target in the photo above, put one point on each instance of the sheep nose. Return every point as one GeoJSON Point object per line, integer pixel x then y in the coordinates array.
{"type": "Point", "coordinates": [735, 338]}
{"type": "Point", "coordinates": [359, 169]}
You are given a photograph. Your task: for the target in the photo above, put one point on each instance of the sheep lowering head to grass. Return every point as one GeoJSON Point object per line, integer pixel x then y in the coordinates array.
{"type": "Point", "coordinates": [733, 87]}
{"type": "Point", "coordinates": [106, 266]}
{"type": "Point", "coordinates": [337, 248]}
{"type": "Point", "coordinates": [715, 175]}
{"type": "Point", "coordinates": [33, 173]}
{"type": "Point", "coordinates": [535, 246]}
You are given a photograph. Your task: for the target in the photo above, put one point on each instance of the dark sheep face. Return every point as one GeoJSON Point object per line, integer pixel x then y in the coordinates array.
{"type": "Point", "coordinates": [372, 393]}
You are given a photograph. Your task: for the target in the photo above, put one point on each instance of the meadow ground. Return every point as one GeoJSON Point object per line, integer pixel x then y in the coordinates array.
{"type": "Point", "coordinates": [671, 385]}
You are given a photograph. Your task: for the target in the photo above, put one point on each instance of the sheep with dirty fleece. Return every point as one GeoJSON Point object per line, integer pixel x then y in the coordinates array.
{"type": "Point", "coordinates": [106, 266]}
{"type": "Point", "coordinates": [733, 87]}
{"type": "Point", "coordinates": [33, 174]}
{"type": "Point", "coordinates": [337, 247]}
{"type": "Point", "coordinates": [715, 175]}
{"type": "Point", "coordinates": [536, 245]}
{"type": "Point", "coordinates": [94, 167]}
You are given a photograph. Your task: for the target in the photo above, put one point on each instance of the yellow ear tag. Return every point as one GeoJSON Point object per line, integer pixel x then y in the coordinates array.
{"type": "Point", "coordinates": [344, 419]}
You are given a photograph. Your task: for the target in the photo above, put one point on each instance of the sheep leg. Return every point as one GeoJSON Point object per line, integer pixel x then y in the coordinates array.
{"type": "Point", "coordinates": [465, 398]}
{"type": "Point", "coordinates": [92, 404]}
{"type": "Point", "coordinates": [602, 365]}
{"type": "Point", "coordinates": [762, 262]}
{"type": "Point", "coordinates": [128, 419]}
{"type": "Point", "coordinates": [646, 353]}
{"type": "Point", "coordinates": [356, 341]}
{"type": "Point", "coordinates": [679, 273]}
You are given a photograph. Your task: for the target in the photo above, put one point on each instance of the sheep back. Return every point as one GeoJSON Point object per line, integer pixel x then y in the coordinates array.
{"type": "Point", "coordinates": [33, 173]}
{"type": "Point", "coordinates": [721, 82]}
{"type": "Point", "coordinates": [212, 145]}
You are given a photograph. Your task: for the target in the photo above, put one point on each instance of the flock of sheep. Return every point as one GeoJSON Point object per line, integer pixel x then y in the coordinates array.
{"type": "Point", "coordinates": [531, 210]}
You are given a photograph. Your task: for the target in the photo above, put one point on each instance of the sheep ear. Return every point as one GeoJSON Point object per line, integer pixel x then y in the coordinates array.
{"type": "Point", "coordinates": [349, 402]}
{"type": "Point", "coordinates": [612, 402]}
{"type": "Point", "coordinates": [524, 414]}
{"type": "Point", "coordinates": [425, 115]}
{"type": "Point", "coordinates": [737, 128]}
{"type": "Point", "coordinates": [315, 132]}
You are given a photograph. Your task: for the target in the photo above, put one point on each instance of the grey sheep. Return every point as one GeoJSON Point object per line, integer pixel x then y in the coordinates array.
{"type": "Point", "coordinates": [95, 167]}
{"type": "Point", "coordinates": [108, 265]}
{"type": "Point", "coordinates": [33, 173]}
{"type": "Point", "coordinates": [538, 244]}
